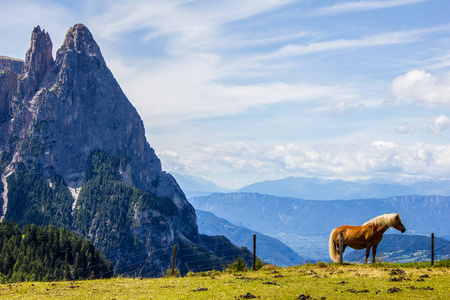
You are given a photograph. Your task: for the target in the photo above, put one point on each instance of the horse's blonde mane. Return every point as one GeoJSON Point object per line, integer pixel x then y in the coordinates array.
{"type": "Point", "coordinates": [383, 220]}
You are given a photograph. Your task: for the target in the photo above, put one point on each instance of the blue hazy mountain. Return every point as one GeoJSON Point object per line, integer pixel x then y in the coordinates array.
{"type": "Point", "coordinates": [269, 249]}
{"type": "Point", "coordinates": [305, 225]}
{"type": "Point", "coordinates": [271, 215]}
{"type": "Point", "coordinates": [324, 189]}
{"type": "Point", "coordinates": [195, 186]}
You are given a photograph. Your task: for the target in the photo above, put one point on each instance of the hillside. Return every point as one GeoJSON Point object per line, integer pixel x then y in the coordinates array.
{"type": "Point", "coordinates": [46, 253]}
{"type": "Point", "coordinates": [269, 249]}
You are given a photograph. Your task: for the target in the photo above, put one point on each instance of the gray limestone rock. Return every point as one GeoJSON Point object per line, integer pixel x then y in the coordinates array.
{"type": "Point", "coordinates": [60, 110]}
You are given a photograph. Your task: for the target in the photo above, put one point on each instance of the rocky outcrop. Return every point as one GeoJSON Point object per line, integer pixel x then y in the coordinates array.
{"type": "Point", "coordinates": [11, 64]}
{"type": "Point", "coordinates": [8, 85]}
{"type": "Point", "coordinates": [62, 110]}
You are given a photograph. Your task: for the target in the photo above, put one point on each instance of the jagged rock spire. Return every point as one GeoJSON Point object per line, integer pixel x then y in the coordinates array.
{"type": "Point", "coordinates": [38, 59]}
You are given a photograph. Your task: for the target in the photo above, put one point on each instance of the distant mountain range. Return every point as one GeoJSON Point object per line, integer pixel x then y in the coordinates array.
{"type": "Point", "coordinates": [272, 215]}
{"type": "Point", "coordinates": [393, 248]}
{"type": "Point", "coordinates": [269, 249]}
{"type": "Point", "coordinates": [304, 225]}
{"type": "Point", "coordinates": [321, 189]}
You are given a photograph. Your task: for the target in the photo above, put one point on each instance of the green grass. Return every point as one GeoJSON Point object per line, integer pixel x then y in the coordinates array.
{"type": "Point", "coordinates": [319, 281]}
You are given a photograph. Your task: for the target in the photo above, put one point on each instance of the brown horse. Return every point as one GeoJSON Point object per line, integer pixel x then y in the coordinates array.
{"type": "Point", "coordinates": [365, 236]}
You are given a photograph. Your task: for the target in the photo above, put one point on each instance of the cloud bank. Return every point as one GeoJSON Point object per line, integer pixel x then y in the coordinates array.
{"type": "Point", "coordinates": [379, 158]}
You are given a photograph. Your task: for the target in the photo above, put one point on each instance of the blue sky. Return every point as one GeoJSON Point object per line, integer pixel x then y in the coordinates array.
{"type": "Point", "coordinates": [242, 91]}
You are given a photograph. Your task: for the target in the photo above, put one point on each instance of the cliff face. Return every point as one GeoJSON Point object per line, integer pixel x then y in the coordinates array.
{"type": "Point", "coordinates": [11, 64]}
{"type": "Point", "coordinates": [57, 113]}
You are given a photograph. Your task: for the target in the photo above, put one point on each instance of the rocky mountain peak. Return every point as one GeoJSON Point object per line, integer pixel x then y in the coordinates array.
{"type": "Point", "coordinates": [68, 108]}
{"type": "Point", "coordinates": [38, 59]}
{"type": "Point", "coordinates": [79, 39]}
{"type": "Point", "coordinates": [74, 154]}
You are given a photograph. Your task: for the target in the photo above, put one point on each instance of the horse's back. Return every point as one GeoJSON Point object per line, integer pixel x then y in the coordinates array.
{"type": "Point", "coordinates": [351, 232]}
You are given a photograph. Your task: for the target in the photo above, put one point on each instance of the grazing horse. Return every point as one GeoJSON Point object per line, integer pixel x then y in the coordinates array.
{"type": "Point", "coordinates": [365, 236]}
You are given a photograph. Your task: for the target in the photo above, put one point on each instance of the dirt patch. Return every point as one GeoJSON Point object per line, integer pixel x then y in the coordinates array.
{"type": "Point", "coordinates": [200, 290]}
{"type": "Point", "coordinates": [247, 296]}
{"type": "Point", "coordinates": [427, 288]}
{"type": "Point", "coordinates": [393, 290]}
{"type": "Point", "coordinates": [270, 283]}
{"type": "Point", "coordinates": [397, 272]}
{"type": "Point", "coordinates": [398, 279]}
{"type": "Point", "coordinates": [357, 292]}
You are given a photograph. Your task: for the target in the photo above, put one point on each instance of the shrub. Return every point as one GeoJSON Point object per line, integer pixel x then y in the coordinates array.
{"type": "Point", "coordinates": [176, 273]}
{"type": "Point", "coordinates": [238, 266]}
{"type": "Point", "coordinates": [259, 264]}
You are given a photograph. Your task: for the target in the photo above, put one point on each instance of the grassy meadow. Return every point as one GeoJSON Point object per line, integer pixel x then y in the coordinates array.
{"type": "Point", "coordinates": [312, 281]}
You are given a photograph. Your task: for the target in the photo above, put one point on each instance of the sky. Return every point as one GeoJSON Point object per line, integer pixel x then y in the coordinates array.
{"type": "Point", "coordinates": [241, 91]}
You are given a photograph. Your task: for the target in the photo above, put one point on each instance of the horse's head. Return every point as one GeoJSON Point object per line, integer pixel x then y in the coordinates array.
{"type": "Point", "coordinates": [398, 224]}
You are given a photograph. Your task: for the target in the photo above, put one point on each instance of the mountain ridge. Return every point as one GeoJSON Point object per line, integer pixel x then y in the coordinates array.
{"type": "Point", "coordinates": [272, 214]}
{"type": "Point", "coordinates": [327, 189]}
{"type": "Point", "coordinates": [305, 225]}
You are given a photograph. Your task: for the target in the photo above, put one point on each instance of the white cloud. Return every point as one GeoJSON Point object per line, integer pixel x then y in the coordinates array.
{"type": "Point", "coordinates": [190, 88]}
{"type": "Point", "coordinates": [389, 38]}
{"type": "Point", "coordinates": [362, 6]}
{"type": "Point", "coordinates": [405, 128]}
{"type": "Point", "coordinates": [175, 163]}
{"type": "Point", "coordinates": [346, 106]}
{"type": "Point", "coordinates": [379, 158]}
{"type": "Point", "coordinates": [422, 88]}
{"type": "Point", "coordinates": [441, 124]}
{"type": "Point", "coordinates": [188, 24]}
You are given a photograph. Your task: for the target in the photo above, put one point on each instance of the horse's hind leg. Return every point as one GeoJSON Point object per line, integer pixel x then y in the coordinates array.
{"type": "Point", "coordinates": [374, 253]}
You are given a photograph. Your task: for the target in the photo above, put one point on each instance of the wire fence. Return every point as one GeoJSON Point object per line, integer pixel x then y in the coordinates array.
{"type": "Point", "coordinates": [163, 257]}
{"type": "Point", "coordinates": [156, 263]}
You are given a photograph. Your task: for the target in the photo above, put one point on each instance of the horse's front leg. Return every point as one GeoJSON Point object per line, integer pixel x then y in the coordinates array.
{"type": "Point", "coordinates": [374, 253]}
{"type": "Point", "coordinates": [367, 253]}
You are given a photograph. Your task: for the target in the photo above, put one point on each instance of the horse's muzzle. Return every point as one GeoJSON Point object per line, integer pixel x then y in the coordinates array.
{"type": "Point", "coordinates": [403, 230]}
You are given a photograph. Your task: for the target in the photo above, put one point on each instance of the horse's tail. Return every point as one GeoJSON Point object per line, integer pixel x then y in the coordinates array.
{"type": "Point", "coordinates": [334, 254]}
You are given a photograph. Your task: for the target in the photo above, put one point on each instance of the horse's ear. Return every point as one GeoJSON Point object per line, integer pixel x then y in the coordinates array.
{"type": "Point", "coordinates": [398, 215]}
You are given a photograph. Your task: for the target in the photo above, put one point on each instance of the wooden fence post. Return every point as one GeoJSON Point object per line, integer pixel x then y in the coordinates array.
{"type": "Point", "coordinates": [341, 248]}
{"type": "Point", "coordinates": [254, 252]}
{"type": "Point", "coordinates": [173, 258]}
{"type": "Point", "coordinates": [432, 249]}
